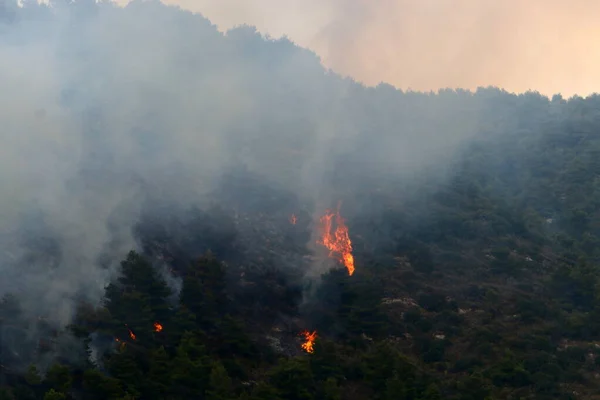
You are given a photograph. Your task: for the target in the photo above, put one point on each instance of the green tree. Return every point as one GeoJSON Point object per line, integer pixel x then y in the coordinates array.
{"type": "Point", "coordinates": [384, 363]}
{"type": "Point", "coordinates": [220, 384]}
{"type": "Point", "coordinates": [159, 375]}
{"type": "Point", "coordinates": [293, 379]}
{"type": "Point", "coordinates": [59, 377]}
{"type": "Point", "coordinates": [361, 310]}
{"type": "Point", "coordinates": [99, 386]}
{"type": "Point", "coordinates": [203, 291]}
{"type": "Point", "coordinates": [325, 361]}
{"type": "Point", "coordinates": [330, 390]}
{"type": "Point", "coordinates": [139, 297]}
{"type": "Point", "coordinates": [473, 387]}
{"type": "Point", "coordinates": [191, 368]}
{"type": "Point", "coordinates": [233, 339]}
{"type": "Point", "coordinates": [264, 391]}
{"type": "Point", "coordinates": [124, 367]}
{"type": "Point", "coordinates": [32, 376]}
{"type": "Point", "coordinates": [54, 395]}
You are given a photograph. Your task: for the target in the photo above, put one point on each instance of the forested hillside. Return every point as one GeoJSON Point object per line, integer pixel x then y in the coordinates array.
{"type": "Point", "coordinates": [167, 191]}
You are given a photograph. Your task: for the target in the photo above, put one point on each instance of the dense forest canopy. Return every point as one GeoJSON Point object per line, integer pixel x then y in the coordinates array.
{"type": "Point", "coordinates": [162, 230]}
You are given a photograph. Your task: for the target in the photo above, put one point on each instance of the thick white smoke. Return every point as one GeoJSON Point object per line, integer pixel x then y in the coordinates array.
{"type": "Point", "coordinates": [103, 107]}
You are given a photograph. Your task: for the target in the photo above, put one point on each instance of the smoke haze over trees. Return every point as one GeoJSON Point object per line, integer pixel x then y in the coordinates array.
{"type": "Point", "coordinates": [428, 44]}
{"type": "Point", "coordinates": [106, 107]}
{"type": "Point", "coordinates": [473, 215]}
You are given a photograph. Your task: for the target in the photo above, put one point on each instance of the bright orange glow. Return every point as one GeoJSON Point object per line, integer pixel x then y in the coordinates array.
{"type": "Point", "coordinates": [310, 341]}
{"type": "Point", "coordinates": [157, 327]}
{"type": "Point", "coordinates": [293, 219]}
{"type": "Point", "coordinates": [131, 334]}
{"type": "Point", "coordinates": [337, 242]}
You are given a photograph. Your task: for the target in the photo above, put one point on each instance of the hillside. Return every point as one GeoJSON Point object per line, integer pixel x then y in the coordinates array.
{"type": "Point", "coordinates": [162, 239]}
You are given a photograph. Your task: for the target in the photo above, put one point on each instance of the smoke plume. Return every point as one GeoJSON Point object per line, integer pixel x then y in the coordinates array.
{"type": "Point", "coordinates": [110, 114]}
{"type": "Point", "coordinates": [546, 45]}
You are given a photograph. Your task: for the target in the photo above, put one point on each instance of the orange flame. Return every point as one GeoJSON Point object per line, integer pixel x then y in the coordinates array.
{"type": "Point", "coordinates": [157, 327]}
{"type": "Point", "coordinates": [339, 241]}
{"type": "Point", "coordinates": [310, 341]}
{"type": "Point", "coordinates": [293, 219]}
{"type": "Point", "coordinates": [131, 334]}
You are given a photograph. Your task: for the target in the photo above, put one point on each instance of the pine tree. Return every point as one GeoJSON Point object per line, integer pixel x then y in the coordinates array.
{"type": "Point", "coordinates": [99, 386]}
{"type": "Point", "coordinates": [203, 291]}
{"type": "Point", "coordinates": [191, 368]}
{"type": "Point", "coordinates": [59, 377]}
{"type": "Point", "coordinates": [138, 275]}
{"type": "Point", "coordinates": [233, 339]}
{"type": "Point", "coordinates": [159, 375]}
{"type": "Point", "coordinates": [293, 378]}
{"type": "Point", "coordinates": [123, 366]}
{"type": "Point", "coordinates": [325, 361]}
{"type": "Point", "coordinates": [137, 300]}
{"type": "Point", "coordinates": [220, 384]}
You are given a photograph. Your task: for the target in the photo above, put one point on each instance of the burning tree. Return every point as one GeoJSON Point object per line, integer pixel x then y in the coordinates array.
{"type": "Point", "coordinates": [337, 240]}
{"type": "Point", "coordinates": [309, 343]}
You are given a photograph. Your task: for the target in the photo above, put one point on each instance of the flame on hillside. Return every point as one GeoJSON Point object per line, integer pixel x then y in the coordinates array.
{"type": "Point", "coordinates": [157, 327]}
{"type": "Point", "coordinates": [309, 338]}
{"type": "Point", "coordinates": [293, 219]}
{"type": "Point", "coordinates": [337, 241]}
{"type": "Point", "coordinates": [131, 334]}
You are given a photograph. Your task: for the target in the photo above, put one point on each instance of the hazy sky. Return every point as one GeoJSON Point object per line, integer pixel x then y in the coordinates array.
{"type": "Point", "coordinates": [546, 45]}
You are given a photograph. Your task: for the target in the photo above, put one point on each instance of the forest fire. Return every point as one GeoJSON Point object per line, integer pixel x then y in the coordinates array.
{"type": "Point", "coordinates": [337, 242]}
{"type": "Point", "coordinates": [310, 341]}
{"type": "Point", "coordinates": [158, 327]}
{"type": "Point", "coordinates": [293, 219]}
